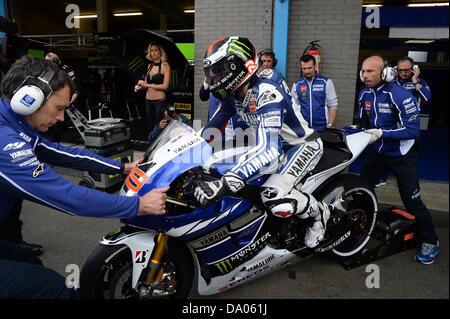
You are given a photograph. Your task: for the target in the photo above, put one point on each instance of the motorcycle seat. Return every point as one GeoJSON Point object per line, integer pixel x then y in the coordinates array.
{"type": "Point", "coordinates": [335, 150]}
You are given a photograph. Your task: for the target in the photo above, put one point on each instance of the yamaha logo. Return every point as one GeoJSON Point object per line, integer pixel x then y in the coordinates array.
{"type": "Point", "coordinates": [27, 100]}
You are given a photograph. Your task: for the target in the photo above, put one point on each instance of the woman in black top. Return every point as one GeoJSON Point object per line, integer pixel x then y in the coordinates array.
{"type": "Point", "coordinates": [156, 83]}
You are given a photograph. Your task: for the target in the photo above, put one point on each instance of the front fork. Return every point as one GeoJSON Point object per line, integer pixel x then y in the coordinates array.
{"type": "Point", "coordinates": [155, 273]}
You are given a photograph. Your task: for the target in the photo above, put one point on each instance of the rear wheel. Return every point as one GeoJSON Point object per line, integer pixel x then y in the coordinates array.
{"type": "Point", "coordinates": [108, 272]}
{"type": "Point", "coordinates": [349, 232]}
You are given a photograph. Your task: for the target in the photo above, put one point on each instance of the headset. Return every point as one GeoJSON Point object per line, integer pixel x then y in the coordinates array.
{"type": "Point", "coordinates": [28, 98]}
{"type": "Point", "coordinates": [270, 53]}
{"type": "Point", "coordinates": [387, 74]}
{"type": "Point", "coordinates": [414, 66]}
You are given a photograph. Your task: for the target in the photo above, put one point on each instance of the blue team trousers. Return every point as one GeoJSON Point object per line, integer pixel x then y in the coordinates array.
{"type": "Point", "coordinates": [405, 169]}
{"type": "Point", "coordinates": [22, 276]}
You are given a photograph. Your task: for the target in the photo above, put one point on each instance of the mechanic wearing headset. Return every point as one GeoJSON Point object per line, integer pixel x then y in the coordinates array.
{"type": "Point", "coordinates": [408, 77]}
{"type": "Point", "coordinates": [268, 62]}
{"type": "Point", "coordinates": [35, 94]}
{"type": "Point", "coordinates": [391, 114]}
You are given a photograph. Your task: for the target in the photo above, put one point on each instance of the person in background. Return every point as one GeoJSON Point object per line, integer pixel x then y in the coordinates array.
{"type": "Point", "coordinates": [169, 113]}
{"type": "Point", "coordinates": [204, 91]}
{"type": "Point", "coordinates": [58, 129]}
{"type": "Point", "coordinates": [408, 77]}
{"type": "Point", "coordinates": [268, 62]}
{"type": "Point", "coordinates": [156, 83]}
{"type": "Point", "coordinates": [391, 114]}
{"type": "Point", "coordinates": [316, 96]}
{"type": "Point", "coordinates": [267, 59]}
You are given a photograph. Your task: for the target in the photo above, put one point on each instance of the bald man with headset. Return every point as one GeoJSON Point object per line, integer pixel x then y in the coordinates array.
{"type": "Point", "coordinates": [35, 94]}
{"type": "Point", "coordinates": [391, 114]}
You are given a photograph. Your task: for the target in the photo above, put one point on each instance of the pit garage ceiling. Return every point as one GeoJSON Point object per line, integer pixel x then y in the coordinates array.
{"type": "Point", "coordinates": [48, 17]}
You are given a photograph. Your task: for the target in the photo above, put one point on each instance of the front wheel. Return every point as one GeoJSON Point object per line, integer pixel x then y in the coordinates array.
{"type": "Point", "coordinates": [348, 233]}
{"type": "Point", "coordinates": [108, 272]}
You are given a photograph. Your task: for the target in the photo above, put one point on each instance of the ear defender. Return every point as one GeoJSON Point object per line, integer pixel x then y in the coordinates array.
{"type": "Point", "coordinates": [388, 74]}
{"type": "Point", "coordinates": [27, 100]}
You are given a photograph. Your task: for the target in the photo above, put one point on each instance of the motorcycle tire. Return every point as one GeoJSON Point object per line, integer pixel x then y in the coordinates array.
{"type": "Point", "coordinates": [360, 199]}
{"type": "Point", "coordinates": [107, 273]}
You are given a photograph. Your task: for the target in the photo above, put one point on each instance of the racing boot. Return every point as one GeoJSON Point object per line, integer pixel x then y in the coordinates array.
{"type": "Point", "coordinates": [321, 213]}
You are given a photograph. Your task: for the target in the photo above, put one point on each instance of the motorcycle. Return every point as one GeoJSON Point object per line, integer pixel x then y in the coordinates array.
{"type": "Point", "coordinates": [231, 241]}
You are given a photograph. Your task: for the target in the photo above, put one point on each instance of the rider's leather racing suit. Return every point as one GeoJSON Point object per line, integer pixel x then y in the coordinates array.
{"type": "Point", "coordinates": [285, 147]}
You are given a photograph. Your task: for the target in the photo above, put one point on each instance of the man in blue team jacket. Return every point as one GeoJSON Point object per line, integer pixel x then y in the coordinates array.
{"type": "Point", "coordinates": [391, 115]}
{"type": "Point", "coordinates": [24, 173]}
{"type": "Point", "coordinates": [316, 96]}
{"type": "Point", "coordinates": [408, 77]}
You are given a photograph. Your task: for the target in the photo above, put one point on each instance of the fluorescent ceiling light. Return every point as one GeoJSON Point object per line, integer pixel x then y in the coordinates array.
{"type": "Point", "coordinates": [86, 16]}
{"type": "Point", "coordinates": [189, 11]}
{"type": "Point", "coordinates": [437, 4]}
{"type": "Point", "coordinates": [419, 41]}
{"type": "Point", "coordinates": [124, 14]}
{"type": "Point", "coordinates": [372, 5]}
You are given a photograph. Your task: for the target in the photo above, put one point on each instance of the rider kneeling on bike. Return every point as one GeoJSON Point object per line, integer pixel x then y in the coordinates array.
{"type": "Point", "coordinates": [285, 147]}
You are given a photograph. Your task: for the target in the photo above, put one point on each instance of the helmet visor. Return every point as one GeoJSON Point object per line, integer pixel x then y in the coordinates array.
{"type": "Point", "coordinates": [217, 74]}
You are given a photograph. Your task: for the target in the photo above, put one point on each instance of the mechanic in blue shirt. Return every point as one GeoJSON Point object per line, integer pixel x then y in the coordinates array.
{"type": "Point", "coordinates": [316, 96]}
{"type": "Point", "coordinates": [35, 95]}
{"type": "Point", "coordinates": [408, 77]}
{"type": "Point", "coordinates": [391, 114]}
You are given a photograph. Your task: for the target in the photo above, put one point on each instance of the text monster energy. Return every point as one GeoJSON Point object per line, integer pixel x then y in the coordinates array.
{"type": "Point", "coordinates": [240, 49]}
{"type": "Point", "coordinates": [250, 250]}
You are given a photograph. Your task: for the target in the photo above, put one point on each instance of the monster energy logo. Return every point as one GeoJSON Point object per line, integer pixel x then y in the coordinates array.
{"type": "Point", "coordinates": [135, 64]}
{"type": "Point", "coordinates": [222, 92]}
{"type": "Point", "coordinates": [224, 266]}
{"type": "Point", "coordinates": [240, 49]}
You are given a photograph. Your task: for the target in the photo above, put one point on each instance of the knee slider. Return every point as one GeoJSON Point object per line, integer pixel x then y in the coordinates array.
{"type": "Point", "coordinates": [284, 206]}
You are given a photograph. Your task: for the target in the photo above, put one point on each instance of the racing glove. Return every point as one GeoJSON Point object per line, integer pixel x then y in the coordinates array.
{"type": "Point", "coordinates": [212, 191]}
{"type": "Point", "coordinates": [376, 134]}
